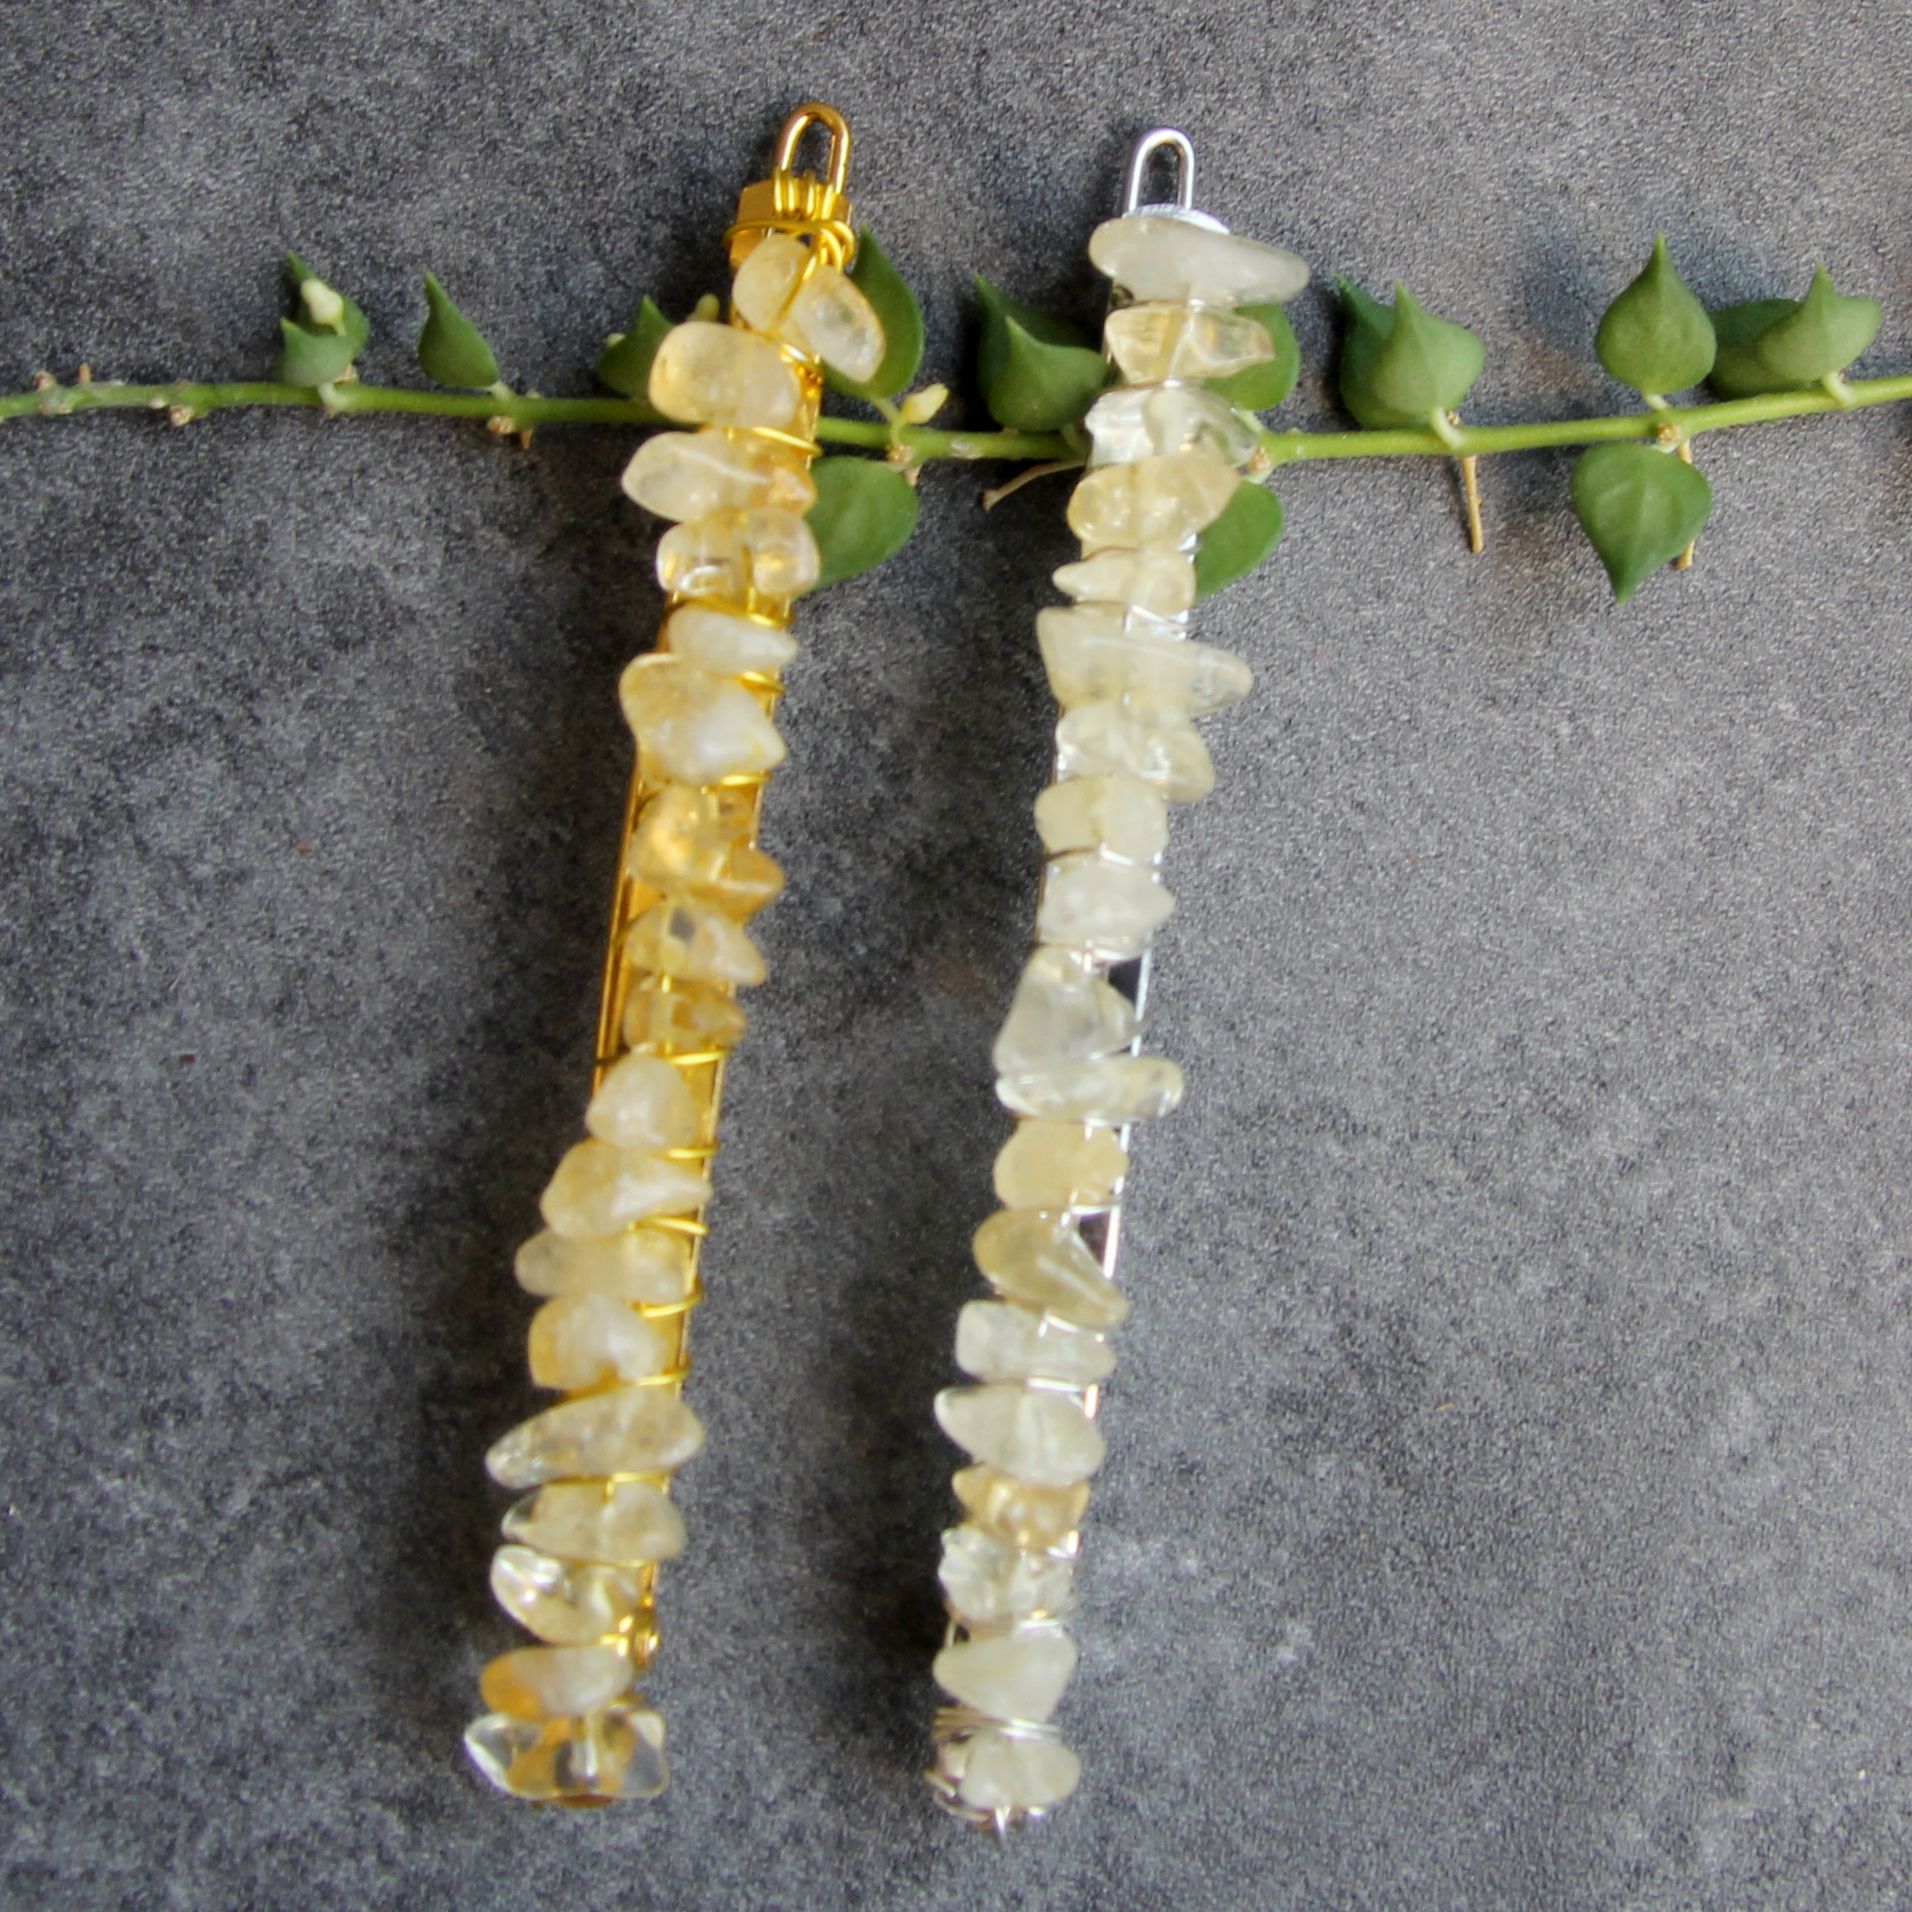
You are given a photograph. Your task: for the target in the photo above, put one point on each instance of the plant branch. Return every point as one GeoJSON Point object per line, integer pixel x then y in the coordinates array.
{"type": "Point", "coordinates": [1687, 421]}
{"type": "Point", "coordinates": [521, 412]}
{"type": "Point", "coordinates": [185, 400]}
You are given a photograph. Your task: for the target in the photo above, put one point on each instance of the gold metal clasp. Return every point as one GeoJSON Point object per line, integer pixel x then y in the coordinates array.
{"type": "Point", "coordinates": [801, 203]}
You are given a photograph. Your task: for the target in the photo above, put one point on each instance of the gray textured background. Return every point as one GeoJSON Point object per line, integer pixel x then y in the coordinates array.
{"type": "Point", "coordinates": [1507, 1502]}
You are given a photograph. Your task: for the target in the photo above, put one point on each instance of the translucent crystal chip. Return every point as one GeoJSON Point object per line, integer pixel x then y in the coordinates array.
{"type": "Point", "coordinates": [621, 1523]}
{"type": "Point", "coordinates": [736, 555]}
{"type": "Point", "coordinates": [695, 728]}
{"type": "Point", "coordinates": [638, 1264]}
{"type": "Point", "coordinates": [1059, 1165]}
{"type": "Point", "coordinates": [686, 939]}
{"type": "Point", "coordinates": [1043, 1260]}
{"type": "Point", "coordinates": [1159, 582]}
{"type": "Point", "coordinates": [782, 290]}
{"type": "Point", "coordinates": [1106, 909]}
{"type": "Point", "coordinates": [1062, 1012]}
{"type": "Point", "coordinates": [1135, 736]}
{"type": "Point", "coordinates": [564, 1602]}
{"type": "Point", "coordinates": [1019, 1513]}
{"type": "Point", "coordinates": [990, 1773]}
{"type": "Point", "coordinates": [1097, 651]}
{"type": "Point", "coordinates": [709, 374]}
{"type": "Point", "coordinates": [1041, 1436]}
{"type": "Point", "coordinates": [987, 1582]}
{"type": "Point", "coordinates": [588, 1341]}
{"type": "Point", "coordinates": [635, 1430]}
{"type": "Point", "coordinates": [1120, 816]}
{"type": "Point", "coordinates": [616, 1753]}
{"type": "Point", "coordinates": [690, 841]}
{"type": "Point", "coordinates": [686, 475]}
{"type": "Point", "coordinates": [1155, 503]}
{"type": "Point", "coordinates": [669, 1017]}
{"type": "Point", "coordinates": [1018, 1675]}
{"type": "Point", "coordinates": [729, 645]}
{"type": "Point", "coordinates": [1007, 1341]}
{"type": "Point", "coordinates": [1158, 421]}
{"type": "Point", "coordinates": [554, 1682]}
{"type": "Point", "coordinates": [1152, 256]}
{"type": "Point", "coordinates": [1114, 1090]}
{"type": "Point", "coordinates": [643, 1103]}
{"type": "Point", "coordinates": [598, 1189]}
{"type": "Point", "coordinates": [1154, 342]}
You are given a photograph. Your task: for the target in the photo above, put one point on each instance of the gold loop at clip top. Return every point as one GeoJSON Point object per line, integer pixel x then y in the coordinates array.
{"type": "Point", "coordinates": [800, 203]}
{"type": "Point", "coordinates": [817, 113]}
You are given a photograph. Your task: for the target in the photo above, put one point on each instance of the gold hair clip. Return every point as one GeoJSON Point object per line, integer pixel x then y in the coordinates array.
{"type": "Point", "coordinates": [617, 1262]}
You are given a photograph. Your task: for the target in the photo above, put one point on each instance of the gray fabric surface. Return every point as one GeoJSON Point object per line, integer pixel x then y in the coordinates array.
{"type": "Point", "coordinates": [1507, 1502]}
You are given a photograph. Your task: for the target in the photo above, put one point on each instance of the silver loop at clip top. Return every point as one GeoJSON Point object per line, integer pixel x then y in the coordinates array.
{"type": "Point", "coordinates": [1165, 139]}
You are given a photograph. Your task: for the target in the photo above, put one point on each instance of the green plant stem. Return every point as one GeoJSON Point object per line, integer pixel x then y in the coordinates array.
{"type": "Point", "coordinates": [517, 412]}
{"type": "Point", "coordinates": [1689, 421]}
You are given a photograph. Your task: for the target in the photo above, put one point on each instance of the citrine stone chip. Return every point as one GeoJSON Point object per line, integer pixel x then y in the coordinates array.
{"type": "Point", "coordinates": [689, 475]}
{"type": "Point", "coordinates": [710, 374]}
{"type": "Point", "coordinates": [1158, 256]}
{"type": "Point", "coordinates": [783, 289]}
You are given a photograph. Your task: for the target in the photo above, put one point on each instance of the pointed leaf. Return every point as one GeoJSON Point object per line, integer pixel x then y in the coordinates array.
{"type": "Point", "coordinates": [1765, 344]}
{"type": "Point", "coordinates": [312, 358]}
{"type": "Point", "coordinates": [1399, 366]}
{"type": "Point", "coordinates": [1260, 388]}
{"type": "Point", "coordinates": [1038, 372]}
{"type": "Point", "coordinates": [1640, 506]}
{"type": "Point", "coordinates": [1656, 336]}
{"type": "Point", "coordinates": [1426, 364]}
{"type": "Point", "coordinates": [451, 349]}
{"type": "Point", "coordinates": [902, 319]}
{"type": "Point", "coordinates": [1236, 542]}
{"type": "Point", "coordinates": [625, 363]}
{"type": "Point", "coordinates": [864, 513]}
{"type": "Point", "coordinates": [1822, 335]}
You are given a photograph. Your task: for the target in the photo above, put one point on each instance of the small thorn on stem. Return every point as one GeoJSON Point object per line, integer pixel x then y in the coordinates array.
{"type": "Point", "coordinates": [84, 376]}
{"type": "Point", "coordinates": [991, 499]}
{"type": "Point", "coordinates": [1470, 485]}
{"type": "Point", "coordinates": [1684, 562]}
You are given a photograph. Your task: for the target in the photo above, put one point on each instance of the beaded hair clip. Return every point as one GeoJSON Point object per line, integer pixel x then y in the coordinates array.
{"type": "Point", "coordinates": [617, 1262]}
{"type": "Point", "coordinates": [1167, 458]}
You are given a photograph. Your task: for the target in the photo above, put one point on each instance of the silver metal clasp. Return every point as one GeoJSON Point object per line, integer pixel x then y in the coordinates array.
{"type": "Point", "coordinates": [1180, 151]}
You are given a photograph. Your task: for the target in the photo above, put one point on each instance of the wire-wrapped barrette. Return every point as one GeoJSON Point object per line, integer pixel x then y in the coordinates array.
{"type": "Point", "coordinates": [1168, 456]}
{"type": "Point", "coordinates": [617, 1261]}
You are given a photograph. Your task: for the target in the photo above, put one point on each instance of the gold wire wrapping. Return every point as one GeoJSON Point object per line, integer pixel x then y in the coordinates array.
{"type": "Point", "coordinates": [817, 210]}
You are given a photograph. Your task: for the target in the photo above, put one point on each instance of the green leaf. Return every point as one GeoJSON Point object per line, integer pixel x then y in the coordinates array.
{"type": "Point", "coordinates": [1823, 335]}
{"type": "Point", "coordinates": [880, 282]}
{"type": "Point", "coordinates": [1782, 345]}
{"type": "Point", "coordinates": [1236, 542]}
{"type": "Point", "coordinates": [1641, 508]}
{"type": "Point", "coordinates": [312, 358]}
{"type": "Point", "coordinates": [1038, 372]}
{"type": "Point", "coordinates": [864, 513]}
{"type": "Point", "coordinates": [1260, 388]}
{"type": "Point", "coordinates": [451, 349]}
{"type": "Point", "coordinates": [625, 363]}
{"type": "Point", "coordinates": [1401, 365]}
{"type": "Point", "coordinates": [1656, 336]}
